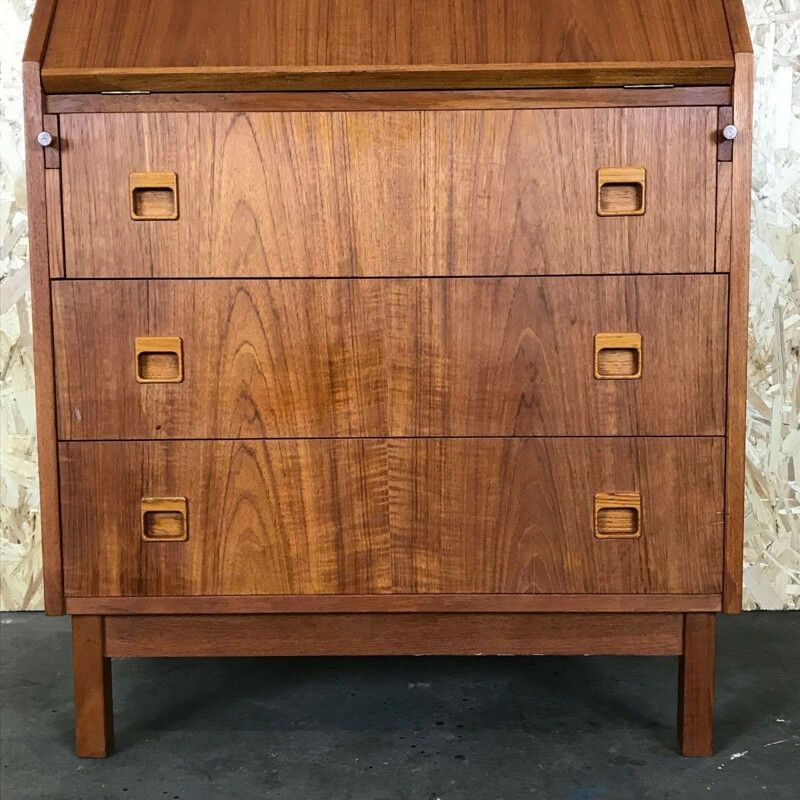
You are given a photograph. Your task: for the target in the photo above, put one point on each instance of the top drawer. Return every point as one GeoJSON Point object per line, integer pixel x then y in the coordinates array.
{"type": "Point", "coordinates": [299, 194]}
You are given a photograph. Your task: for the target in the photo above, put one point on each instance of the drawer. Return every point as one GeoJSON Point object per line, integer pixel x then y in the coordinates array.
{"type": "Point", "coordinates": [369, 516]}
{"type": "Point", "coordinates": [389, 193]}
{"type": "Point", "coordinates": [391, 357]}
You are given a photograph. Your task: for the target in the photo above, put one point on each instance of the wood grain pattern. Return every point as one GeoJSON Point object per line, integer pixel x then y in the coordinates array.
{"type": "Point", "coordinates": [309, 194]}
{"type": "Point", "coordinates": [94, 714]}
{"type": "Point", "coordinates": [364, 516]}
{"type": "Point", "coordinates": [737, 329]}
{"type": "Point", "coordinates": [617, 97]}
{"type": "Point", "coordinates": [481, 515]}
{"type": "Point", "coordinates": [388, 634]}
{"type": "Point", "coordinates": [363, 44]}
{"type": "Point", "coordinates": [432, 357]}
{"type": "Point", "coordinates": [272, 518]}
{"type": "Point", "coordinates": [42, 324]}
{"type": "Point", "coordinates": [397, 604]}
{"type": "Point", "coordinates": [696, 686]}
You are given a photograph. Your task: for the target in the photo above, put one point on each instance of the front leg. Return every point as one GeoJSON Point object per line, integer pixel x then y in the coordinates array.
{"type": "Point", "coordinates": [94, 712]}
{"type": "Point", "coordinates": [696, 685]}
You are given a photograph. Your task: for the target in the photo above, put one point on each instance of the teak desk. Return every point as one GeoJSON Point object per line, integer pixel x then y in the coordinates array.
{"type": "Point", "coordinates": [390, 326]}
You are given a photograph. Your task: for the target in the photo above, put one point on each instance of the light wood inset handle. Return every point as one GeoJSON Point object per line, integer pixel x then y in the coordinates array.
{"type": "Point", "coordinates": [618, 515]}
{"type": "Point", "coordinates": [164, 519]}
{"type": "Point", "coordinates": [620, 191]}
{"type": "Point", "coordinates": [618, 356]}
{"type": "Point", "coordinates": [159, 359]}
{"type": "Point", "coordinates": [154, 195]}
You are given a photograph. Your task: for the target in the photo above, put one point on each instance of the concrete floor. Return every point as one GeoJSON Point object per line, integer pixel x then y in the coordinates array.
{"type": "Point", "coordinates": [403, 728]}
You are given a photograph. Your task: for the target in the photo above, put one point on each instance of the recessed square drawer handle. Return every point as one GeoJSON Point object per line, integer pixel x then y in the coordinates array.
{"type": "Point", "coordinates": [618, 356]}
{"type": "Point", "coordinates": [154, 195]}
{"type": "Point", "coordinates": [618, 515]}
{"type": "Point", "coordinates": [164, 519]}
{"type": "Point", "coordinates": [620, 191]}
{"type": "Point", "coordinates": [159, 359]}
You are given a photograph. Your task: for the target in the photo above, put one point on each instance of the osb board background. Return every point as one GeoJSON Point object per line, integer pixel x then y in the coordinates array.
{"type": "Point", "coordinates": [772, 550]}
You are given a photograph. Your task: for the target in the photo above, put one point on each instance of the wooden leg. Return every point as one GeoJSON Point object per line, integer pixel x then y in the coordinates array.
{"type": "Point", "coordinates": [94, 713]}
{"type": "Point", "coordinates": [696, 685]}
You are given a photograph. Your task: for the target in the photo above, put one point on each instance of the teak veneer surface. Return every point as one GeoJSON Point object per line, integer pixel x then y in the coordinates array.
{"type": "Point", "coordinates": [207, 45]}
{"type": "Point", "coordinates": [389, 193]}
{"type": "Point", "coordinates": [391, 357]}
{"type": "Point", "coordinates": [363, 516]}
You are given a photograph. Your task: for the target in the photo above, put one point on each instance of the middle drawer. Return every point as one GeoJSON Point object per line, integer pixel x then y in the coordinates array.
{"type": "Point", "coordinates": [390, 357]}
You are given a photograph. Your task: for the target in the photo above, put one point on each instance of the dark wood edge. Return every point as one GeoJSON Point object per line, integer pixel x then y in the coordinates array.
{"type": "Point", "coordinates": [360, 604]}
{"type": "Point", "coordinates": [44, 368]}
{"type": "Point", "coordinates": [738, 28]}
{"type": "Point", "coordinates": [738, 334]}
{"type": "Point", "coordinates": [389, 101]}
{"type": "Point", "coordinates": [469, 76]}
{"type": "Point", "coordinates": [724, 146]}
{"type": "Point", "coordinates": [39, 31]}
{"type": "Point", "coordinates": [392, 634]}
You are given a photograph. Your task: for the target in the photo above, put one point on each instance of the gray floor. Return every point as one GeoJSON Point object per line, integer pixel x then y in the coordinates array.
{"type": "Point", "coordinates": [404, 728]}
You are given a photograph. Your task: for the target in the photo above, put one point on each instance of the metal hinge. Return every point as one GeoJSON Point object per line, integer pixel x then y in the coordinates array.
{"type": "Point", "coordinates": [649, 86]}
{"type": "Point", "coordinates": [128, 91]}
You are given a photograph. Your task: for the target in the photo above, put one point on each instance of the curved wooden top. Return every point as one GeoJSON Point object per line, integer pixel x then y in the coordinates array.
{"type": "Point", "coordinates": [247, 45]}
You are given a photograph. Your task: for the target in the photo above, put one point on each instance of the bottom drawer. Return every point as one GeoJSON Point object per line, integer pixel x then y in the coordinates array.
{"type": "Point", "coordinates": [364, 516]}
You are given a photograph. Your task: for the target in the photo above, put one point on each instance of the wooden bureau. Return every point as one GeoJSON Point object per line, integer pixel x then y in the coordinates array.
{"type": "Point", "coordinates": [390, 327]}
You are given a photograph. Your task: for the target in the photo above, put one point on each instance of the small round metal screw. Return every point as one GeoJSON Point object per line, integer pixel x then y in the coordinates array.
{"type": "Point", "coordinates": [730, 132]}
{"type": "Point", "coordinates": [45, 139]}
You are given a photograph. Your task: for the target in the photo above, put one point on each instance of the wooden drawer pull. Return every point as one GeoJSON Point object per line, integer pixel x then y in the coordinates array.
{"type": "Point", "coordinates": [154, 195]}
{"type": "Point", "coordinates": [618, 356]}
{"type": "Point", "coordinates": [159, 359]}
{"type": "Point", "coordinates": [618, 515]}
{"type": "Point", "coordinates": [620, 191]}
{"type": "Point", "coordinates": [164, 519]}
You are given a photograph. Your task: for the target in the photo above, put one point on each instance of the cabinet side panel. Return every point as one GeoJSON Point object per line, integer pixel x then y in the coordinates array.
{"type": "Point", "coordinates": [43, 344]}
{"type": "Point", "coordinates": [737, 333]}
